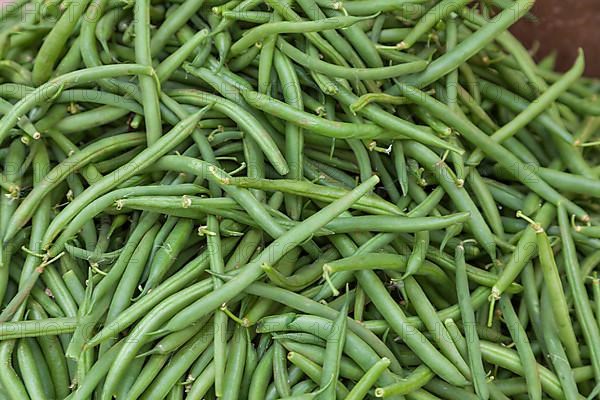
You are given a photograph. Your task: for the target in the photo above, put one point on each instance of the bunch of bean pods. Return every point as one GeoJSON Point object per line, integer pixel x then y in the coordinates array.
{"type": "Point", "coordinates": [307, 199]}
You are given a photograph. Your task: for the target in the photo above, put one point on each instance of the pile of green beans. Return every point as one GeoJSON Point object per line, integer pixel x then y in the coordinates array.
{"type": "Point", "coordinates": [298, 199]}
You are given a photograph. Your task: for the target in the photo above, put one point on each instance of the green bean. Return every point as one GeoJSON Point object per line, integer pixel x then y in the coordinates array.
{"type": "Point", "coordinates": [303, 387]}
{"type": "Point", "coordinates": [166, 68]}
{"type": "Point", "coordinates": [315, 373]}
{"type": "Point", "coordinates": [439, 12]}
{"type": "Point", "coordinates": [307, 121]}
{"type": "Point", "coordinates": [294, 140]}
{"type": "Point", "coordinates": [565, 181]}
{"type": "Point", "coordinates": [265, 61]}
{"type": "Point", "coordinates": [360, 8]}
{"type": "Point", "coordinates": [368, 380]}
{"type": "Point", "coordinates": [361, 42]}
{"type": "Point", "coordinates": [303, 276]}
{"type": "Point", "coordinates": [324, 46]}
{"type": "Point", "coordinates": [146, 157]}
{"type": "Point", "coordinates": [487, 203]}
{"type": "Point", "coordinates": [517, 104]}
{"type": "Point", "coordinates": [39, 224]}
{"type": "Point", "coordinates": [103, 202]}
{"type": "Point", "coordinates": [220, 321]}
{"type": "Point", "coordinates": [92, 118]}
{"type": "Point", "coordinates": [541, 104]}
{"type": "Point", "coordinates": [250, 203]}
{"type": "Point", "coordinates": [459, 195]}
{"type": "Point", "coordinates": [131, 275]}
{"type": "Point", "coordinates": [346, 72]}
{"type": "Point", "coordinates": [471, 45]}
{"type": "Point", "coordinates": [203, 383]}
{"type": "Point", "coordinates": [255, 122]}
{"type": "Point", "coordinates": [280, 373]}
{"type": "Point", "coordinates": [244, 119]}
{"type": "Point", "coordinates": [171, 285]}
{"type": "Point", "coordinates": [369, 202]}
{"type": "Point", "coordinates": [397, 320]}
{"type": "Point", "coordinates": [56, 85]}
{"type": "Point", "coordinates": [557, 354]}
{"type": "Point", "coordinates": [36, 355]}
{"type": "Point", "coordinates": [590, 231]}
{"type": "Point", "coordinates": [349, 49]}
{"type": "Point", "coordinates": [91, 256]}
{"type": "Point", "coordinates": [354, 347]}
{"type": "Point", "coordinates": [57, 38]}
{"type": "Point", "coordinates": [433, 323]}
{"type": "Point", "coordinates": [11, 382]}
{"type": "Point", "coordinates": [257, 17]}
{"type": "Point", "coordinates": [417, 256]}
{"type": "Point", "coordinates": [348, 368]}
{"type": "Point", "coordinates": [172, 342]}
{"type": "Point", "coordinates": [332, 161]}
{"type": "Point", "coordinates": [271, 254]}
{"type": "Point", "coordinates": [179, 363]}
{"type": "Point", "coordinates": [397, 224]}
{"type": "Point", "coordinates": [202, 362]}
{"type": "Point", "coordinates": [440, 388]}
{"type": "Point", "coordinates": [509, 359]}
{"type": "Point", "coordinates": [258, 33]}
{"type": "Point", "coordinates": [261, 376]}
{"type": "Point", "coordinates": [523, 348]}
{"type": "Point", "coordinates": [53, 354]}
{"type": "Point", "coordinates": [173, 23]}
{"type": "Point", "coordinates": [171, 247]}
{"type": "Point", "coordinates": [150, 322]}
{"type": "Point", "coordinates": [468, 317]}
{"type": "Point", "coordinates": [583, 308]}
{"type": "Point", "coordinates": [48, 326]}
{"type": "Point", "coordinates": [33, 380]}
{"type": "Point", "coordinates": [560, 309]}
{"type": "Point", "coordinates": [413, 381]}
{"type": "Point", "coordinates": [148, 85]}
{"type": "Point", "coordinates": [296, 301]}
{"type": "Point", "coordinates": [526, 249]}
{"type": "Point", "coordinates": [244, 60]}
{"type": "Point", "coordinates": [492, 149]}
{"type": "Point", "coordinates": [505, 196]}
{"type": "Point", "coordinates": [61, 171]}
{"type": "Point", "coordinates": [386, 179]}
{"type": "Point", "coordinates": [333, 355]}
{"type": "Point", "coordinates": [393, 123]}
{"type": "Point", "coordinates": [384, 261]}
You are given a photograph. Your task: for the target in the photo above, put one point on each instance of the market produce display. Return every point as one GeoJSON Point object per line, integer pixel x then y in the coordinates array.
{"type": "Point", "coordinates": [307, 199]}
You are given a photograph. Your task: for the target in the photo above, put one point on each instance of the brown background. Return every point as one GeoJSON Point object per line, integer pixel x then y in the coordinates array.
{"type": "Point", "coordinates": [565, 25]}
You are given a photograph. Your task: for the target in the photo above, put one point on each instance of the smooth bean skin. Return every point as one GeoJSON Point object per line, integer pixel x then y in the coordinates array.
{"type": "Point", "coordinates": [258, 33]}
{"type": "Point", "coordinates": [263, 199]}
{"type": "Point", "coordinates": [397, 320]}
{"type": "Point", "coordinates": [307, 121]}
{"type": "Point", "coordinates": [526, 249]}
{"type": "Point", "coordinates": [253, 271]}
{"type": "Point", "coordinates": [523, 348]}
{"type": "Point", "coordinates": [244, 119]}
{"type": "Point", "coordinates": [145, 158]}
{"type": "Point", "coordinates": [354, 347]}
{"type": "Point", "coordinates": [468, 318]}
{"type": "Point", "coordinates": [61, 171]}
{"type": "Point", "coordinates": [583, 309]}
{"type": "Point", "coordinates": [491, 148]}
{"type": "Point", "coordinates": [470, 46]}
{"type": "Point", "coordinates": [54, 86]}
{"type": "Point", "coordinates": [350, 73]}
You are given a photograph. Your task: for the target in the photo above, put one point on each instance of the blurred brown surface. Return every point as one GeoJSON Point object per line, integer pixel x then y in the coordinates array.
{"type": "Point", "coordinates": [564, 25]}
